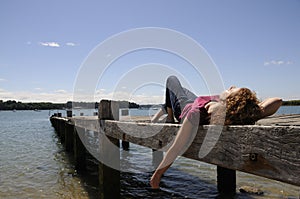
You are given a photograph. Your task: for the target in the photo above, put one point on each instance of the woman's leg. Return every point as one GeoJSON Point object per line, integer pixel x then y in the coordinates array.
{"type": "Point", "coordinates": [177, 96]}
{"type": "Point", "coordinates": [183, 140]}
{"type": "Point", "coordinates": [161, 112]}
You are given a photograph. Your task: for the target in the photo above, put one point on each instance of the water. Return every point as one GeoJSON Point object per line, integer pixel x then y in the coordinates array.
{"type": "Point", "coordinates": [33, 164]}
{"type": "Point", "coordinates": [288, 110]}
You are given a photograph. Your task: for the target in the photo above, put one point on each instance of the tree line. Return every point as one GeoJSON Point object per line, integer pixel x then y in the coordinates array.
{"type": "Point", "coordinates": [291, 103]}
{"type": "Point", "coordinates": [14, 105]}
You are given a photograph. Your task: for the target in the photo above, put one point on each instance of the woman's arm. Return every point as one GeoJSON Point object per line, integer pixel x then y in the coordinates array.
{"type": "Point", "coordinates": [270, 106]}
{"type": "Point", "coordinates": [182, 141]}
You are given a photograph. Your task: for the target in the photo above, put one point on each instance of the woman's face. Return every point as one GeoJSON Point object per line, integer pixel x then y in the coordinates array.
{"type": "Point", "coordinates": [232, 90]}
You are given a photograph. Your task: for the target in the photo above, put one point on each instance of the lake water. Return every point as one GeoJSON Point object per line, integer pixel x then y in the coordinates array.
{"type": "Point", "coordinates": [33, 164]}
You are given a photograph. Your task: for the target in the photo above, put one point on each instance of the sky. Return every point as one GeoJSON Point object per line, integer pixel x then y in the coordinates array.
{"type": "Point", "coordinates": [46, 44]}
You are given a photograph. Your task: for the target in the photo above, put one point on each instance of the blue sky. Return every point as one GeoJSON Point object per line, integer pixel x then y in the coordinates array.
{"type": "Point", "coordinates": [44, 43]}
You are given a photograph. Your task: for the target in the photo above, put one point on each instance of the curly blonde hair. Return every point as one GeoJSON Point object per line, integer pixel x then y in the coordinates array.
{"type": "Point", "coordinates": [240, 108]}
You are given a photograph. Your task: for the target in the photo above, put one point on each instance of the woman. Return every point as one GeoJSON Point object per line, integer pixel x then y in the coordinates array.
{"type": "Point", "coordinates": [233, 106]}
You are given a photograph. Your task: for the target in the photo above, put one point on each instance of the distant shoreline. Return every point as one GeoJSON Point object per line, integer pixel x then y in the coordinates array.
{"type": "Point", "coordinates": [291, 103]}
{"type": "Point", "coordinates": [14, 105]}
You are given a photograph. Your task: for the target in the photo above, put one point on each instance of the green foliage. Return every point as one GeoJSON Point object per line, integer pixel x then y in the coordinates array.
{"type": "Point", "coordinates": [13, 105]}
{"type": "Point", "coordinates": [291, 103]}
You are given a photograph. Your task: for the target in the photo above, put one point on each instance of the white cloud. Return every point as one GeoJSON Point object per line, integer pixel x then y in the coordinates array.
{"type": "Point", "coordinates": [277, 63]}
{"type": "Point", "coordinates": [26, 96]}
{"type": "Point", "coordinates": [100, 91]}
{"type": "Point", "coordinates": [280, 62]}
{"type": "Point", "coordinates": [71, 44]}
{"type": "Point", "coordinates": [2, 90]}
{"type": "Point", "coordinates": [122, 95]}
{"type": "Point", "coordinates": [61, 91]}
{"type": "Point", "coordinates": [50, 44]}
{"type": "Point", "coordinates": [38, 89]}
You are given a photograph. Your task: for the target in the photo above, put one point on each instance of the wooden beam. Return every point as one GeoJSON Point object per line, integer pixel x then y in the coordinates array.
{"type": "Point", "coordinates": [268, 151]}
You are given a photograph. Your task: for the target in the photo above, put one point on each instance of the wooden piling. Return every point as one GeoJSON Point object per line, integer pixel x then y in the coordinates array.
{"type": "Point", "coordinates": [226, 179]}
{"type": "Point", "coordinates": [69, 132]}
{"type": "Point", "coordinates": [62, 131]}
{"type": "Point", "coordinates": [109, 178]}
{"type": "Point", "coordinates": [79, 149]}
{"type": "Point", "coordinates": [69, 113]}
{"type": "Point", "coordinates": [157, 157]}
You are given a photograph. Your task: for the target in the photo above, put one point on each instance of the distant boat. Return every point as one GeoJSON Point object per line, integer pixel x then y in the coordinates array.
{"type": "Point", "coordinates": [14, 110]}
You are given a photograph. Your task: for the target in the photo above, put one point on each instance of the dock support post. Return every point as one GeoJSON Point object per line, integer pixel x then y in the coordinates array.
{"type": "Point", "coordinates": [79, 150]}
{"type": "Point", "coordinates": [62, 131]}
{"type": "Point", "coordinates": [109, 178]}
{"type": "Point", "coordinates": [157, 157]}
{"type": "Point", "coordinates": [226, 179]}
{"type": "Point", "coordinates": [125, 145]}
{"type": "Point", "coordinates": [69, 132]}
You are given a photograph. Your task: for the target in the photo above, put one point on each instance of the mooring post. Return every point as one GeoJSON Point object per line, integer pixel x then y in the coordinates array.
{"type": "Point", "coordinates": [69, 132]}
{"type": "Point", "coordinates": [62, 130]}
{"type": "Point", "coordinates": [226, 179]}
{"type": "Point", "coordinates": [79, 149]}
{"type": "Point", "coordinates": [109, 178]}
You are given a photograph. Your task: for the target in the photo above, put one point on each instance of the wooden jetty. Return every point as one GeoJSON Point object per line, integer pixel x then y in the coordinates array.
{"type": "Point", "coordinates": [270, 149]}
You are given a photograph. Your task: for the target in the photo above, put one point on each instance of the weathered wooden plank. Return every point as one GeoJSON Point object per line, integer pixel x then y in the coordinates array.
{"type": "Point", "coordinates": [272, 152]}
{"type": "Point", "coordinates": [90, 123]}
{"type": "Point", "coordinates": [269, 151]}
{"type": "Point", "coordinates": [281, 120]}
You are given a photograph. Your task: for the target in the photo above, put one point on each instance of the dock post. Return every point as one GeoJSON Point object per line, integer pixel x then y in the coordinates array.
{"type": "Point", "coordinates": [109, 178]}
{"type": "Point", "coordinates": [125, 144]}
{"type": "Point", "coordinates": [69, 132]}
{"type": "Point", "coordinates": [157, 157]}
{"type": "Point", "coordinates": [62, 130]}
{"type": "Point", "coordinates": [79, 149]}
{"type": "Point", "coordinates": [226, 179]}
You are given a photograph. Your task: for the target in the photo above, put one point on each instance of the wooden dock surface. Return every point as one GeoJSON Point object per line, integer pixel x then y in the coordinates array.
{"type": "Point", "coordinates": [281, 120]}
{"type": "Point", "coordinates": [273, 143]}
{"type": "Point", "coordinates": [275, 120]}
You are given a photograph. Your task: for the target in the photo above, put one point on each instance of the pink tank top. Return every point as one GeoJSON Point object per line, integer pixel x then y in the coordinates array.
{"type": "Point", "coordinates": [195, 112]}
